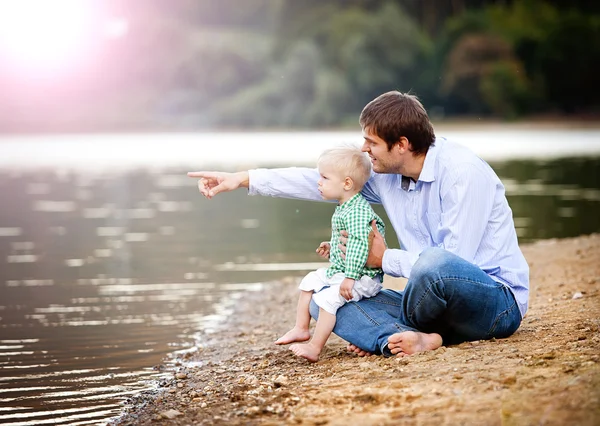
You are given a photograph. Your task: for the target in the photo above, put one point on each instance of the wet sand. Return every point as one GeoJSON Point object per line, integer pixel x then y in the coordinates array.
{"type": "Point", "coordinates": [547, 373]}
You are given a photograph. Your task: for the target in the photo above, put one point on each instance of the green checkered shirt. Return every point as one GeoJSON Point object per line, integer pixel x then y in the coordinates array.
{"type": "Point", "coordinates": [354, 216]}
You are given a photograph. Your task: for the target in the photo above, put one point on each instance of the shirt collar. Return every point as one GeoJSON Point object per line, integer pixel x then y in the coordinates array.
{"type": "Point", "coordinates": [428, 172]}
{"type": "Point", "coordinates": [350, 202]}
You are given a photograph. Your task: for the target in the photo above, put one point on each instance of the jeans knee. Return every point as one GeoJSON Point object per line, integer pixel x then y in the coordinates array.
{"type": "Point", "coordinates": [431, 261]}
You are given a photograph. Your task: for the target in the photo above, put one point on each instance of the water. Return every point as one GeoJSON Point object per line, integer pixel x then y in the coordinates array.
{"type": "Point", "coordinates": [111, 261]}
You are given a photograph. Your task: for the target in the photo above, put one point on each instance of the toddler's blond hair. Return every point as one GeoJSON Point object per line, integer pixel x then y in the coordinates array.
{"type": "Point", "coordinates": [348, 160]}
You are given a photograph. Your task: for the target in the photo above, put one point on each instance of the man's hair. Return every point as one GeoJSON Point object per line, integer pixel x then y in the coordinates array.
{"type": "Point", "coordinates": [348, 160]}
{"type": "Point", "coordinates": [393, 115]}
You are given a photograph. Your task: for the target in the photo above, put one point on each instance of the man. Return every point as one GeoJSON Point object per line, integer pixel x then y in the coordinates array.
{"type": "Point", "coordinates": [467, 277]}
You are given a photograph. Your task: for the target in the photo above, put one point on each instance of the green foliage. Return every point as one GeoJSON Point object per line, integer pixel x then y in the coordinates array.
{"type": "Point", "coordinates": [505, 89]}
{"type": "Point", "coordinates": [282, 63]}
{"type": "Point", "coordinates": [548, 62]}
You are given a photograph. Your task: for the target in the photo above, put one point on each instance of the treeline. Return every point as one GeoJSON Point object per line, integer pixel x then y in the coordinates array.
{"type": "Point", "coordinates": [195, 64]}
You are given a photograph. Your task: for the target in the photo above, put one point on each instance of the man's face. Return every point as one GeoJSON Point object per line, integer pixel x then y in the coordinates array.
{"type": "Point", "coordinates": [383, 160]}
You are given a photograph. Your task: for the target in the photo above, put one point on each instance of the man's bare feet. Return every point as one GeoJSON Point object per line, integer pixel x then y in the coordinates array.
{"type": "Point", "coordinates": [296, 334]}
{"type": "Point", "coordinates": [358, 351]}
{"type": "Point", "coordinates": [306, 350]}
{"type": "Point", "coordinates": [411, 342]}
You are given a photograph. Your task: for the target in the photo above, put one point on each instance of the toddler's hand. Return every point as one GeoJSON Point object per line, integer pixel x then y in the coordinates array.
{"type": "Point", "coordinates": [324, 249]}
{"type": "Point", "coordinates": [346, 288]}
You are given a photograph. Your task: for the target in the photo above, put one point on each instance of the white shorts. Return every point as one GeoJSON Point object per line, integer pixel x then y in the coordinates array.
{"type": "Point", "coordinates": [327, 290]}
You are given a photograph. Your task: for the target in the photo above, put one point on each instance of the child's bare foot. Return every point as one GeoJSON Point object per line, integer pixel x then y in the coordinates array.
{"type": "Point", "coordinates": [307, 351]}
{"type": "Point", "coordinates": [358, 351]}
{"type": "Point", "coordinates": [411, 342]}
{"type": "Point", "coordinates": [296, 334]}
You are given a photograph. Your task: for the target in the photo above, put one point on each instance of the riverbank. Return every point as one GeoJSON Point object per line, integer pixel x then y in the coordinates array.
{"type": "Point", "coordinates": [548, 372]}
{"type": "Point", "coordinates": [149, 126]}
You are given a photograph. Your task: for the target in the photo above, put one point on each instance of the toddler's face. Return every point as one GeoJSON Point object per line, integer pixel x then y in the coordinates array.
{"type": "Point", "coordinates": [331, 184]}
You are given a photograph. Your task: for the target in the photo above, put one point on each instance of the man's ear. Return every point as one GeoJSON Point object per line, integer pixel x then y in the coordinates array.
{"type": "Point", "coordinates": [403, 144]}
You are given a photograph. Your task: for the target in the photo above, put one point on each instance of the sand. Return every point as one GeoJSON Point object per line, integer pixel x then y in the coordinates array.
{"type": "Point", "coordinates": [547, 373]}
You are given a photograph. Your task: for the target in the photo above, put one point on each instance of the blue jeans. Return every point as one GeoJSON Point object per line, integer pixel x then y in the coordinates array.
{"type": "Point", "coordinates": [445, 294]}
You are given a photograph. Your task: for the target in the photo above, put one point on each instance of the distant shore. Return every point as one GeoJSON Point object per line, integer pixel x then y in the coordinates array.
{"type": "Point", "coordinates": [542, 122]}
{"type": "Point", "coordinates": [548, 372]}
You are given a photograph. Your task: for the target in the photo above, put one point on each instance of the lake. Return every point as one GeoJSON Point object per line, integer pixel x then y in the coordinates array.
{"type": "Point", "coordinates": [112, 261]}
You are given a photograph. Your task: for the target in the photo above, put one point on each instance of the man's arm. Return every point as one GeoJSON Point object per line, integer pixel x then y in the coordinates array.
{"type": "Point", "coordinates": [369, 191]}
{"type": "Point", "coordinates": [291, 182]}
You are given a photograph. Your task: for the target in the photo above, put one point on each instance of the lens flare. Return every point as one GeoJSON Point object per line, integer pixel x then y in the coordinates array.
{"type": "Point", "coordinates": [42, 34]}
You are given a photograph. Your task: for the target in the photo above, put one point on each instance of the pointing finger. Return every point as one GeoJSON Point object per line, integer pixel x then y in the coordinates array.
{"type": "Point", "coordinates": [210, 175]}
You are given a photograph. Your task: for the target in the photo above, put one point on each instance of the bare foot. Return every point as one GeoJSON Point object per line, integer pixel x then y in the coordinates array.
{"type": "Point", "coordinates": [294, 335]}
{"type": "Point", "coordinates": [358, 351]}
{"type": "Point", "coordinates": [307, 351]}
{"type": "Point", "coordinates": [411, 342]}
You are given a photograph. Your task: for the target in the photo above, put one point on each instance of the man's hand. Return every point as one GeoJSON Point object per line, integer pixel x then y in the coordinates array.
{"type": "Point", "coordinates": [376, 246]}
{"type": "Point", "coordinates": [346, 288]}
{"type": "Point", "coordinates": [324, 249]}
{"type": "Point", "coordinates": [211, 183]}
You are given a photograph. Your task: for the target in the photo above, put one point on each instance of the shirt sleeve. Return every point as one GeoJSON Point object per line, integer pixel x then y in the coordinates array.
{"type": "Point", "coordinates": [292, 182]}
{"type": "Point", "coordinates": [398, 263]}
{"type": "Point", "coordinates": [357, 248]}
{"type": "Point", "coordinates": [370, 191]}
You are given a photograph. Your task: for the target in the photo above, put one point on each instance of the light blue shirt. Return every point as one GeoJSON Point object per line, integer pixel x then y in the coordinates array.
{"type": "Point", "coordinates": [457, 204]}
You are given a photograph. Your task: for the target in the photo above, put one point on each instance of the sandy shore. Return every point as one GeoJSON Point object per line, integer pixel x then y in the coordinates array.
{"type": "Point", "coordinates": [547, 373]}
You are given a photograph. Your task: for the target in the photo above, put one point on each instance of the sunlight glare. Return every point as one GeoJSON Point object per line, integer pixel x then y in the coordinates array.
{"type": "Point", "coordinates": [42, 33]}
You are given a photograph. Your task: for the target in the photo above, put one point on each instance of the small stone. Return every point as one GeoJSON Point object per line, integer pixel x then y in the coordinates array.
{"type": "Point", "coordinates": [181, 376]}
{"type": "Point", "coordinates": [251, 411]}
{"type": "Point", "coordinates": [203, 405]}
{"type": "Point", "coordinates": [170, 414]}
{"type": "Point", "coordinates": [280, 381]}
{"type": "Point", "coordinates": [577, 295]}
{"type": "Point", "coordinates": [509, 380]}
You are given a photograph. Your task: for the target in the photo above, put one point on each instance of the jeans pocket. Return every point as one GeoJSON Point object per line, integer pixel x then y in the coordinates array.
{"type": "Point", "coordinates": [506, 323]}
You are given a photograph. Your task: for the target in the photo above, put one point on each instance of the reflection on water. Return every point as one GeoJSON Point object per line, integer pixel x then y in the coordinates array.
{"type": "Point", "coordinates": [104, 274]}
{"type": "Point", "coordinates": [558, 198]}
